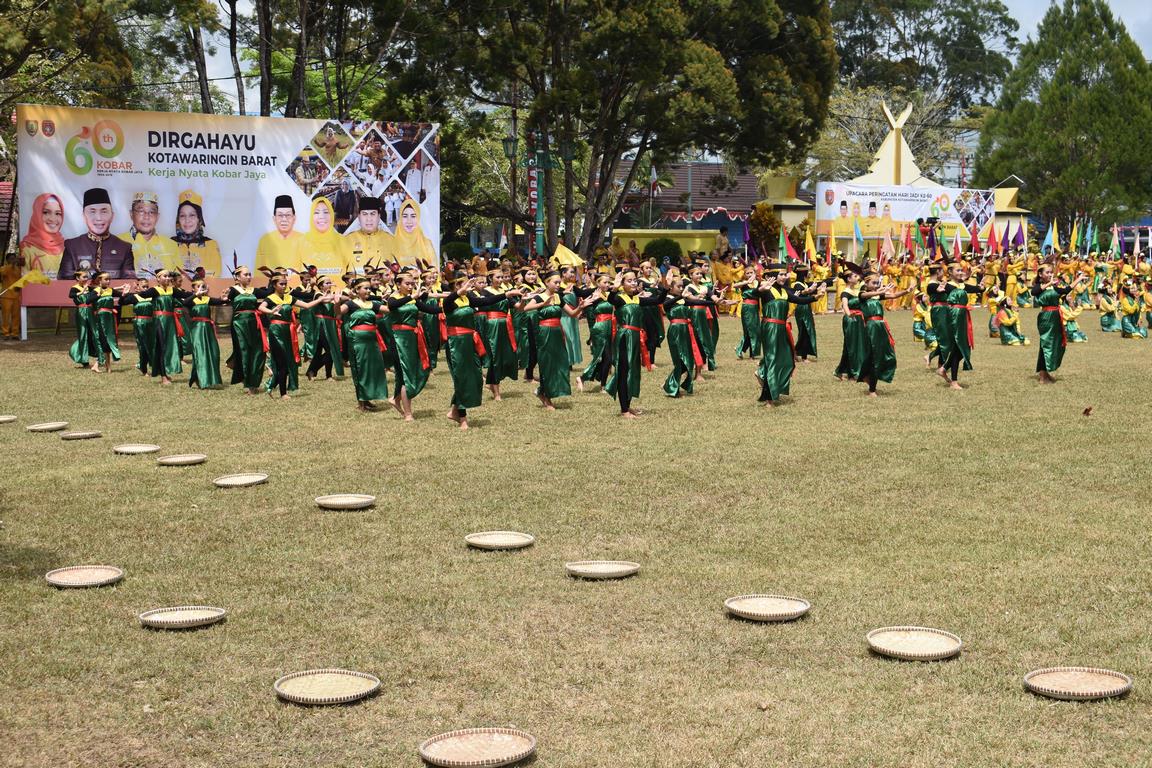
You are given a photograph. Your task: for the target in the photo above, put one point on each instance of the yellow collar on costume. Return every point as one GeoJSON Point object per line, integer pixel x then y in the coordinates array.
{"type": "Point", "coordinates": [778, 293]}
{"type": "Point", "coordinates": [630, 299]}
{"type": "Point", "coordinates": [201, 300]}
{"type": "Point", "coordinates": [105, 291]}
{"type": "Point", "coordinates": [281, 300]}
{"type": "Point", "coordinates": [164, 291]}
{"type": "Point", "coordinates": [462, 301]}
{"type": "Point", "coordinates": [241, 289]}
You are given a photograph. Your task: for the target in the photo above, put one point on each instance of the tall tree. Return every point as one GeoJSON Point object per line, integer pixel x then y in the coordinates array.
{"type": "Point", "coordinates": [1074, 113]}
{"type": "Point", "coordinates": [957, 52]}
{"type": "Point", "coordinates": [613, 78]}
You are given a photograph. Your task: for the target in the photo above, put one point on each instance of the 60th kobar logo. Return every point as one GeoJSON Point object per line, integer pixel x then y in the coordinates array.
{"type": "Point", "coordinates": [105, 139]}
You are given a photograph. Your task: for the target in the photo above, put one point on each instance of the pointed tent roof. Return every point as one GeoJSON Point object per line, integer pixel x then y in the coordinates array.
{"type": "Point", "coordinates": [894, 164]}
{"type": "Point", "coordinates": [1007, 200]}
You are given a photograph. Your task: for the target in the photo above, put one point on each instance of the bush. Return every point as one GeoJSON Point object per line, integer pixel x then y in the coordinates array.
{"type": "Point", "coordinates": [662, 248]}
{"type": "Point", "coordinates": [461, 253]}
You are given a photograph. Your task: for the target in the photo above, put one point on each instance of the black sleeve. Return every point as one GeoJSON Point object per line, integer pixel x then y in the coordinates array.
{"type": "Point", "coordinates": [698, 301]}
{"type": "Point", "coordinates": [299, 294]}
{"type": "Point", "coordinates": [129, 299]}
{"type": "Point", "coordinates": [148, 293]}
{"type": "Point", "coordinates": [181, 295]}
{"type": "Point", "coordinates": [655, 300]}
{"type": "Point", "coordinates": [796, 298]}
{"type": "Point", "coordinates": [937, 288]}
{"type": "Point", "coordinates": [973, 288]}
{"type": "Point", "coordinates": [583, 293]}
{"type": "Point", "coordinates": [448, 303]}
{"type": "Point", "coordinates": [615, 299]}
{"type": "Point", "coordinates": [431, 307]}
{"type": "Point", "coordinates": [262, 293]}
{"type": "Point", "coordinates": [1037, 289]}
{"type": "Point", "coordinates": [1064, 290]}
{"type": "Point", "coordinates": [481, 300]}
{"type": "Point", "coordinates": [395, 302]}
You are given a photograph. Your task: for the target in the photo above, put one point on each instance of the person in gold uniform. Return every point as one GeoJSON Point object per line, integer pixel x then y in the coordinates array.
{"type": "Point", "coordinates": [195, 249]}
{"type": "Point", "coordinates": [280, 248]}
{"type": "Point", "coordinates": [151, 252]}
{"type": "Point", "coordinates": [370, 243]}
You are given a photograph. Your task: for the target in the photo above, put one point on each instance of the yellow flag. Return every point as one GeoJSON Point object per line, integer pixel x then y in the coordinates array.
{"type": "Point", "coordinates": [1072, 237]}
{"type": "Point", "coordinates": [809, 245]}
{"type": "Point", "coordinates": [34, 277]}
{"type": "Point", "coordinates": [565, 257]}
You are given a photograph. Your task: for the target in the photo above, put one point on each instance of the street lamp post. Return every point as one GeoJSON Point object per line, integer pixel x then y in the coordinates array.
{"type": "Point", "coordinates": [541, 163]}
{"type": "Point", "coordinates": [510, 143]}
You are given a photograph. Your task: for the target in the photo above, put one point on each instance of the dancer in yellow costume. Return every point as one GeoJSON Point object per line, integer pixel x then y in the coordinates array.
{"type": "Point", "coordinates": [1012, 283]}
{"type": "Point", "coordinates": [410, 241]}
{"type": "Point", "coordinates": [321, 246]}
{"type": "Point", "coordinates": [280, 248]}
{"type": "Point", "coordinates": [819, 274]}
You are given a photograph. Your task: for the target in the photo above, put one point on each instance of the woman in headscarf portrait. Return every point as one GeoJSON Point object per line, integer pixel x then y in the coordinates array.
{"type": "Point", "coordinates": [322, 246]}
{"type": "Point", "coordinates": [194, 247]}
{"type": "Point", "coordinates": [411, 243]}
{"type": "Point", "coordinates": [43, 246]}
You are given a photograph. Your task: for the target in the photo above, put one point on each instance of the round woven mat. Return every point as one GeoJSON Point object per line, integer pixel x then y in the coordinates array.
{"type": "Point", "coordinates": [326, 686]}
{"type": "Point", "coordinates": [133, 449]}
{"type": "Point", "coordinates": [182, 616]}
{"type": "Point", "coordinates": [475, 747]}
{"type": "Point", "coordinates": [500, 540]}
{"type": "Point", "coordinates": [242, 480]}
{"type": "Point", "coordinates": [345, 501]}
{"type": "Point", "coordinates": [1077, 683]}
{"type": "Point", "coordinates": [182, 460]}
{"type": "Point", "coordinates": [914, 643]}
{"type": "Point", "coordinates": [84, 576]}
{"type": "Point", "coordinates": [48, 426]}
{"type": "Point", "coordinates": [767, 607]}
{"type": "Point", "coordinates": [602, 569]}
{"type": "Point", "coordinates": [7, 419]}
{"type": "Point", "coordinates": [86, 435]}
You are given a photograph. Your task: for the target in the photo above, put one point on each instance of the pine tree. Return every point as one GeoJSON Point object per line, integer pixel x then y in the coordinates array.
{"type": "Point", "coordinates": [1074, 118]}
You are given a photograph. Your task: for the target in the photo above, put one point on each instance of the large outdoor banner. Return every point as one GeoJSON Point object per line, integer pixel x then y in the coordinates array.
{"type": "Point", "coordinates": [136, 192]}
{"type": "Point", "coordinates": [882, 210]}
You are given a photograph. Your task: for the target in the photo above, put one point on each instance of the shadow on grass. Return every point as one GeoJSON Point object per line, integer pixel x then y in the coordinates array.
{"type": "Point", "coordinates": [23, 563]}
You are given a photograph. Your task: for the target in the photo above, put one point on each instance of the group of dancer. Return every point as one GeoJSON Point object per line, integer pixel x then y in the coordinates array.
{"type": "Point", "coordinates": [494, 327]}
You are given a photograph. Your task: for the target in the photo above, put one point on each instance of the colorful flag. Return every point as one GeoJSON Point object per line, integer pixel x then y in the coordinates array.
{"type": "Point", "coordinates": [831, 244]}
{"type": "Point", "coordinates": [1075, 234]}
{"type": "Point", "coordinates": [1006, 242]}
{"type": "Point", "coordinates": [1047, 238]}
{"type": "Point", "coordinates": [919, 236]}
{"type": "Point", "coordinates": [956, 248]}
{"type": "Point", "coordinates": [653, 181]}
{"type": "Point", "coordinates": [1094, 242]}
{"type": "Point", "coordinates": [932, 242]}
{"type": "Point", "coordinates": [887, 250]}
{"type": "Point", "coordinates": [809, 246]}
{"type": "Point", "coordinates": [909, 246]}
{"type": "Point", "coordinates": [974, 234]}
{"type": "Point", "coordinates": [1021, 239]}
{"type": "Point", "coordinates": [1136, 246]}
{"type": "Point", "coordinates": [993, 241]}
{"type": "Point", "coordinates": [793, 257]}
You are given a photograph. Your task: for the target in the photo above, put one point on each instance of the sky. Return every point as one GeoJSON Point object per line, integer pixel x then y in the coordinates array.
{"type": "Point", "coordinates": [1136, 15]}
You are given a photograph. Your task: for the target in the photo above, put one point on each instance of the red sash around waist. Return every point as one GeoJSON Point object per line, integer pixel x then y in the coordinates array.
{"type": "Point", "coordinates": [882, 319]}
{"type": "Point", "coordinates": [507, 318]}
{"type": "Point", "coordinates": [372, 327]}
{"type": "Point", "coordinates": [1060, 322]}
{"type": "Point", "coordinates": [697, 357]}
{"type": "Point", "coordinates": [292, 327]}
{"type": "Point", "coordinates": [787, 329]}
{"type": "Point", "coordinates": [421, 341]}
{"type": "Point", "coordinates": [968, 315]}
{"type": "Point", "coordinates": [459, 330]}
{"type": "Point", "coordinates": [175, 318]}
{"type": "Point", "coordinates": [645, 357]}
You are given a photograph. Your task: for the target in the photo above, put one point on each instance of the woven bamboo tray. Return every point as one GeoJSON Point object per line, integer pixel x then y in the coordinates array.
{"type": "Point", "coordinates": [134, 449]}
{"type": "Point", "coordinates": [7, 418]}
{"type": "Point", "coordinates": [326, 686]}
{"type": "Point", "coordinates": [182, 617]}
{"type": "Point", "coordinates": [345, 501]}
{"type": "Point", "coordinates": [475, 747]}
{"type": "Point", "coordinates": [182, 460]}
{"type": "Point", "coordinates": [767, 607]}
{"type": "Point", "coordinates": [602, 569]}
{"type": "Point", "coordinates": [1077, 683]}
{"type": "Point", "coordinates": [78, 576]}
{"type": "Point", "coordinates": [500, 540]}
{"type": "Point", "coordinates": [82, 435]}
{"type": "Point", "coordinates": [48, 426]}
{"type": "Point", "coordinates": [914, 643]}
{"type": "Point", "coordinates": [242, 480]}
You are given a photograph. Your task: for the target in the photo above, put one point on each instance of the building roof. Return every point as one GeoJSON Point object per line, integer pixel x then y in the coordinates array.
{"type": "Point", "coordinates": [1006, 200]}
{"type": "Point", "coordinates": [737, 201]}
{"type": "Point", "coordinates": [893, 165]}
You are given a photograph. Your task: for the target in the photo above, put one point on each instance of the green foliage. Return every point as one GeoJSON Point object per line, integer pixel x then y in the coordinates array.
{"type": "Point", "coordinates": [1074, 114]}
{"type": "Point", "coordinates": [663, 248]}
{"type": "Point", "coordinates": [959, 52]}
{"type": "Point", "coordinates": [456, 251]}
{"type": "Point", "coordinates": [764, 225]}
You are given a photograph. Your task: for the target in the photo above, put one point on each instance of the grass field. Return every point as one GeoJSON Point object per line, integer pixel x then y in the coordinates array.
{"type": "Point", "coordinates": [1000, 513]}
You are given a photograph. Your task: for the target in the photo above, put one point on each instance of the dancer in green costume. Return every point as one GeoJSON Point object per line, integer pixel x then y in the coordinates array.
{"type": "Point", "coordinates": [552, 351]}
{"type": "Point", "coordinates": [1109, 307]}
{"type": "Point", "coordinates": [168, 324]}
{"type": "Point", "coordinates": [309, 328]}
{"type": "Point", "coordinates": [570, 323]}
{"type": "Point", "coordinates": [749, 316]}
{"type": "Point", "coordinates": [778, 351]}
{"type": "Point", "coordinates": [84, 351]}
{"type": "Point", "coordinates": [958, 331]}
{"type": "Point", "coordinates": [851, 324]}
{"type": "Point", "coordinates": [1048, 295]}
{"type": "Point", "coordinates": [500, 340]}
{"type": "Point", "coordinates": [529, 323]}
{"type": "Point", "coordinates": [412, 362]}
{"type": "Point", "coordinates": [1130, 327]}
{"type": "Point", "coordinates": [464, 347]}
{"type": "Point", "coordinates": [365, 345]}
{"type": "Point", "coordinates": [1007, 322]}
{"type": "Point", "coordinates": [629, 350]}
{"type": "Point", "coordinates": [143, 329]}
{"type": "Point", "coordinates": [432, 322]}
{"type": "Point", "coordinates": [328, 352]}
{"type": "Point", "coordinates": [879, 362]}
{"type": "Point", "coordinates": [202, 331]}
{"type": "Point", "coordinates": [601, 333]}
{"type": "Point", "coordinates": [184, 338]}
{"type": "Point", "coordinates": [282, 337]}
{"type": "Point", "coordinates": [106, 319]}
{"type": "Point", "coordinates": [653, 316]}
{"type": "Point", "coordinates": [702, 316]}
{"type": "Point", "coordinates": [805, 321]}
{"type": "Point", "coordinates": [683, 346]}
{"type": "Point", "coordinates": [247, 358]}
